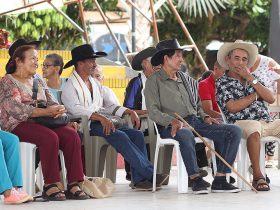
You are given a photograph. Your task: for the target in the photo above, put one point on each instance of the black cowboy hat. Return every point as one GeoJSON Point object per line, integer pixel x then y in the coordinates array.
{"type": "Point", "coordinates": [83, 52]}
{"type": "Point", "coordinates": [19, 43]}
{"type": "Point", "coordinates": [163, 47]}
{"type": "Point", "coordinates": [139, 57]}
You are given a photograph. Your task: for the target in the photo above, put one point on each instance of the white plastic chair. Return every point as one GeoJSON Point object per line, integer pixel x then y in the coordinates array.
{"type": "Point", "coordinates": [182, 175]}
{"type": "Point", "coordinates": [244, 164]}
{"type": "Point", "coordinates": [28, 157]}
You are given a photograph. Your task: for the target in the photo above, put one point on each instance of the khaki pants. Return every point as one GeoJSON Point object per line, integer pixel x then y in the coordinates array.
{"type": "Point", "coordinates": [263, 128]}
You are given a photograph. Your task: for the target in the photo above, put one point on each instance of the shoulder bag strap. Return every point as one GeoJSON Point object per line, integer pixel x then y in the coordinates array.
{"type": "Point", "coordinates": [35, 90]}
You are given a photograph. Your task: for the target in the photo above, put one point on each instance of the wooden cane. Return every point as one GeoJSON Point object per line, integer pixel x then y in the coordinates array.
{"type": "Point", "coordinates": [217, 154]}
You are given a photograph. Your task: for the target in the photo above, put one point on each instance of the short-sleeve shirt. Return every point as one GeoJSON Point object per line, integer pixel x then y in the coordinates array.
{"type": "Point", "coordinates": [229, 88]}
{"type": "Point", "coordinates": [207, 91]}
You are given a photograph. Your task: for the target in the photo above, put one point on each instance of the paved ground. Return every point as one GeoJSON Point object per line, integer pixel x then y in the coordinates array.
{"type": "Point", "coordinates": [167, 198]}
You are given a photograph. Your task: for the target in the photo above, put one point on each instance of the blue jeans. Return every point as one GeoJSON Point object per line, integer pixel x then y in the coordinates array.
{"type": "Point", "coordinates": [226, 139]}
{"type": "Point", "coordinates": [130, 143]}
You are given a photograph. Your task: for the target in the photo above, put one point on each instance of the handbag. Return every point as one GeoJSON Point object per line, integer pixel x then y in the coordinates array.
{"type": "Point", "coordinates": [49, 122]}
{"type": "Point", "coordinates": [97, 187]}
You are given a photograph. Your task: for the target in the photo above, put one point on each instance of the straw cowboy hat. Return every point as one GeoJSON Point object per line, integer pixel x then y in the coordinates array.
{"type": "Point", "coordinates": [139, 57]}
{"type": "Point", "coordinates": [163, 47]}
{"type": "Point", "coordinates": [238, 44]}
{"type": "Point", "coordinates": [19, 43]}
{"type": "Point", "coordinates": [83, 52]}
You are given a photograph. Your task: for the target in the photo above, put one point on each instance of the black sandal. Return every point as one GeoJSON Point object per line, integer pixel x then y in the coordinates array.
{"type": "Point", "coordinates": [76, 195]}
{"type": "Point", "coordinates": [53, 196]}
{"type": "Point", "coordinates": [257, 183]}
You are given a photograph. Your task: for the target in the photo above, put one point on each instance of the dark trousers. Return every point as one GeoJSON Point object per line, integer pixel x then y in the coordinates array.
{"type": "Point", "coordinates": [49, 142]}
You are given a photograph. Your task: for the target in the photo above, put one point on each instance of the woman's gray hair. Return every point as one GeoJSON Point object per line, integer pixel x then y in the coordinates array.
{"type": "Point", "coordinates": [57, 61]}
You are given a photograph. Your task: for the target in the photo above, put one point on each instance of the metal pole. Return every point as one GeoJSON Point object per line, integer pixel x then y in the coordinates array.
{"type": "Point", "coordinates": [139, 10]}
{"type": "Point", "coordinates": [111, 32]}
{"type": "Point", "coordinates": [187, 34]}
{"type": "Point", "coordinates": [67, 18]}
{"type": "Point", "coordinates": [154, 21]}
{"type": "Point", "coordinates": [29, 5]}
{"type": "Point", "coordinates": [133, 28]}
{"type": "Point", "coordinates": [81, 9]}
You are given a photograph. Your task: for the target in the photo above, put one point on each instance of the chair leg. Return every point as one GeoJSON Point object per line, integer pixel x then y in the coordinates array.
{"type": "Point", "coordinates": [278, 155]}
{"type": "Point", "coordinates": [213, 157]}
{"type": "Point", "coordinates": [111, 164]}
{"type": "Point", "coordinates": [155, 167]}
{"type": "Point", "coordinates": [27, 157]}
{"type": "Point", "coordinates": [63, 169]}
{"type": "Point", "coordinates": [39, 177]}
{"type": "Point", "coordinates": [262, 158]}
{"type": "Point", "coordinates": [182, 175]}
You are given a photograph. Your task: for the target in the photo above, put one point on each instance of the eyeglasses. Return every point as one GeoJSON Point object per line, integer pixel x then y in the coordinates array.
{"type": "Point", "coordinates": [45, 66]}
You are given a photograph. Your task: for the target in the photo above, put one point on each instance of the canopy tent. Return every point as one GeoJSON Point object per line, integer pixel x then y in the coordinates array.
{"type": "Point", "coordinates": [13, 6]}
{"type": "Point", "coordinates": [32, 5]}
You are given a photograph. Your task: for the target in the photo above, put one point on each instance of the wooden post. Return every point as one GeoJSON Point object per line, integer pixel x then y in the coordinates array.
{"type": "Point", "coordinates": [29, 5]}
{"type": "Point", "coordinates": [81, 9]}
{"type": "Point", "coordinates": [154, 21]}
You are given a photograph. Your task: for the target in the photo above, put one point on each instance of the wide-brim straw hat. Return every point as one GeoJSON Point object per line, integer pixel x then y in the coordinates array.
{"type": "Point", "coordinates": [224, 50]}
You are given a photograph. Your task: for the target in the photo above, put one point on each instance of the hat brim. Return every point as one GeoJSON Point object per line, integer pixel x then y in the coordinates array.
{"type": "Point", "coordinates": [227, 47]}
{"type": "Point", "coordinates": [36, 43]}
{"type": "Point", "coordinates": [157, 57]}
{"type": "Point", "coordinates": [22, 43]}
{"type": "Point", "coordinates": [136, 63]}
{"type": "Point", "coordinates": [96, 55]}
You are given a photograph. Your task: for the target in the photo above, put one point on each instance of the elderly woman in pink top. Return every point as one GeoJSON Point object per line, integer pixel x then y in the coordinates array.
{"type": "Point", "coordinates": [16, 110]}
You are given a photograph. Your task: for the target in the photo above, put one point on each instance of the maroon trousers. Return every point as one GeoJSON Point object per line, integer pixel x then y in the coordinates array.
{"type": "Point", "coordinates": [49, 142]}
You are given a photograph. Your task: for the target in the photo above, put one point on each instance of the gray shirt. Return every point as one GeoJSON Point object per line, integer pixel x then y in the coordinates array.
{"type": "Point", "coordinates": [165, 96]}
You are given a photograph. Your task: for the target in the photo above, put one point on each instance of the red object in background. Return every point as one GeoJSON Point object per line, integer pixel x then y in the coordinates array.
{"type": "Point", "coordinates": [4, 38]}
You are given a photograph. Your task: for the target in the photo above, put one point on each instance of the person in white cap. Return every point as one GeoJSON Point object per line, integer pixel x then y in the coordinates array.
{"type": "Point", "coordinates": [242, 99]}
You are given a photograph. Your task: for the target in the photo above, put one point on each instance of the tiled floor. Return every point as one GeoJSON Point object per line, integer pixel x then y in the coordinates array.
{"type": "Point", "coordinates": [167, 198]}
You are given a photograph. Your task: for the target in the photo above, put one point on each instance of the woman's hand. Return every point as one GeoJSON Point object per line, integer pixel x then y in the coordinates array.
{"type": "Point", "coordinates": [74, 125]}
{"type": "Point", "coordinates": [55, 110]}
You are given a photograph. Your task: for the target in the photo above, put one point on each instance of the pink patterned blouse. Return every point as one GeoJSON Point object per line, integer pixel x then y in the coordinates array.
{"type": "Point", "coordinates": [16, 101]}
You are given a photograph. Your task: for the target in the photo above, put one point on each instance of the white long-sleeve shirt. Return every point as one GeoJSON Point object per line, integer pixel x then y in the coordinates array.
{"type": "Point", "coordinates": [71, 101]}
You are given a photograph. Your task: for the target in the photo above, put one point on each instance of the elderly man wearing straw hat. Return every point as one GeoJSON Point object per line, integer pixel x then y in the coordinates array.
{"type": "Point", "coordinates": [242, 99]}
{"type": "Point", "coordinates": [168, 91]}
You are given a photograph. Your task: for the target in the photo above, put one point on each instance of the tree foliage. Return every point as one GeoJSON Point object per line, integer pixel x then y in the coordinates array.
{"type": "Point", "coordinates": [243, 19]}
{"type": "Point", "coordinates": [206, 7]}
{"type": "Point", "coordinates": [50, 26]}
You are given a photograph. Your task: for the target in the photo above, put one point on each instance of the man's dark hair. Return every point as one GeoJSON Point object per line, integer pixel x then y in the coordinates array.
{"type": "Point", "coordinates": [169, 53]}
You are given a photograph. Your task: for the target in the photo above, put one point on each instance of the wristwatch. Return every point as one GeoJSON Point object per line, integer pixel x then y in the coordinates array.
{"type": "Point", "coordinates": [255, 81]}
